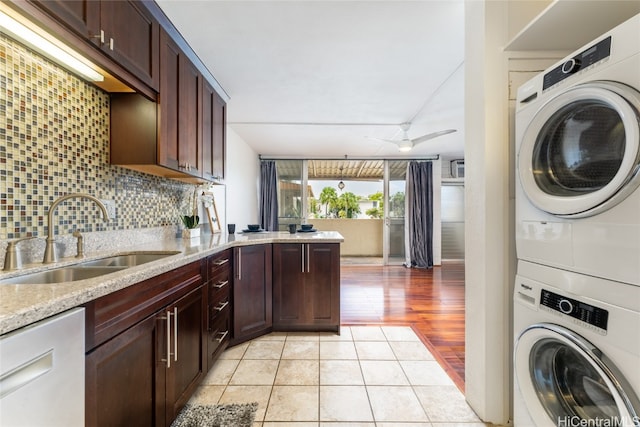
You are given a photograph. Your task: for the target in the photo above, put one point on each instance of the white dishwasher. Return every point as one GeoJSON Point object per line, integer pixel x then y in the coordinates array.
{"type": "Point", "coordinates": [42, 373]}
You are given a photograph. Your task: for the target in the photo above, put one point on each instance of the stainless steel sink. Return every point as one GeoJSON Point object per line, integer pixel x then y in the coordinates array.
{"type": "Point", "coordinates": [62, 274]}
{"type": "Point", "coordinates": [128, 260]}
{"type": "Point", "coordinates": [89, 269]}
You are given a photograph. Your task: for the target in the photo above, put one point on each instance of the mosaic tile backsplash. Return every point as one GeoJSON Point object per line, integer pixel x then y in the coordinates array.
{"type": "Point", "coordinates": [54, 140]}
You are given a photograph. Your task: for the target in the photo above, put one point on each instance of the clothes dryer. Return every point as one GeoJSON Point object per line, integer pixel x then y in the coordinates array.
{"type": "Point", "coordinates": [576, 350]}
{"type": "Point", "coordinates": [578, 160]}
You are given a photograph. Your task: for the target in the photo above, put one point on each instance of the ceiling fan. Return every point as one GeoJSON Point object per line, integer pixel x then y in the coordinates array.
{"type": "Point", "coordinates": [406, 143]}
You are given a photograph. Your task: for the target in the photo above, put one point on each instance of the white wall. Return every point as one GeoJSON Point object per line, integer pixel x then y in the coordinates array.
{"type": "Point", "coordinates": [489, 248]}
{"type": "Point", "coordinates": [243, 178]}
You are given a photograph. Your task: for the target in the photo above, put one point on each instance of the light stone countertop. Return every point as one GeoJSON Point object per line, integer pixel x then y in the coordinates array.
{"type": "Point", "coordinates": [23, 304]}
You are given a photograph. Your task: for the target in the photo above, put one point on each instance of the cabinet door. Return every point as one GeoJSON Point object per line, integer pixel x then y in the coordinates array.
{"type": "Point", "coordinates": [178, 147]}
{"type": "Point", "coordinates": [322, 284]}
{"type": "Point", "coordinates": [214, 142]}
{"type": "Point", "coordinates": [288, 284]}
{"type": "Point", "coordinates": [186, 343]}
{"type": "Point", "coordinates": [189, 151]}
{"type": "Point", "coordinates": [131, 37]}
{"type": "Point", "coordinates": [252, 292]}
{"type": "Point", "coordinates": [81, 16]}
{"type": "Point", "coordinates": [168, 102]}
{"type": "Point", "coordinates": [125, 378]}
{"type": "Point", "coordinates": [306, 283]}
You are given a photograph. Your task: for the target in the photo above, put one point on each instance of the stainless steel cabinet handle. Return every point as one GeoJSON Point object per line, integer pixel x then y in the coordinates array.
{"type": "Point", "coordinates": [221, 284]}
{"type": "Point", "coordinates": [111, 43]}
{"type": "Point", "coordinates": [25, 373]}
{"type": "Point", "coordinates": [302, 257]}
{"type": "Point", "coordinates": [175, 334]}
{"type": "Point", "coordinates": [221, 262]}
{"type": "Point", "coordinates": [224, 334]}
{"type": "Point", "coordinates": [308, 265]}
{"type": "Point", "coordinates": [99, 37]}
{"type": "Point", "coordinates": [168, 319]}
{"type": "Point", "coordinates": [239, 275]}
{"type": "Point", "coordinates": [221, 306]}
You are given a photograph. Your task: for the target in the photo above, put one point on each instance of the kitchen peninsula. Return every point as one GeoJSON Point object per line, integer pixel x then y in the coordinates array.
{"type": "Point", "coordinates": [23, 304]}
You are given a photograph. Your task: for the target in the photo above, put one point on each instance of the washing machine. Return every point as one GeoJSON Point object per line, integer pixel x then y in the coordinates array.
{"type": "Point", "coordinates": [576, 349]}
{"type": "Point", "coordinates": [578, 160]}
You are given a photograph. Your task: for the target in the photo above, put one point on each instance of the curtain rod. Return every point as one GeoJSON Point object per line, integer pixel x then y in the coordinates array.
{"type": "Point", "coordinates": [267, 157]}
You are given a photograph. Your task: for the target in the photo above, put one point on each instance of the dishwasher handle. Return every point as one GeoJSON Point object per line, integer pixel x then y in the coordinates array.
{"type": "Point", "coordinates": [25, 373]}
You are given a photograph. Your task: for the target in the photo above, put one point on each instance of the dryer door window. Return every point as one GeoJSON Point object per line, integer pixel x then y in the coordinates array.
{"type": "Point", "coordinates": [580, 154]}
{"type": "Point", "coordinates": [563, 378]}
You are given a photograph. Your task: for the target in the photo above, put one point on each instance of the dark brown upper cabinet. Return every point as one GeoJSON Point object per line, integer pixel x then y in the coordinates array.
{"type": "Point", "coordinates": [129, 34]}
{"type": "Point", "coordinates": [181, 136]}
{"type": "Point", "coordinates": [179, 146]}
{"type": "Point", "coordinates": [124, 30]}
{"type": "Point", "coordinates": [81, 16]}
{"type": "Point", "coordinates": [214, 135]}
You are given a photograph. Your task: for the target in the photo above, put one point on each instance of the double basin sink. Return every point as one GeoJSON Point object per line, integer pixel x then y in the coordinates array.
{"type": "Point", "coordinates": [89, 269]}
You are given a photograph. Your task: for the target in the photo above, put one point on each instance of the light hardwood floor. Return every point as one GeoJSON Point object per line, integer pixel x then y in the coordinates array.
{"type": "Point", "coordinates": [430, 301]}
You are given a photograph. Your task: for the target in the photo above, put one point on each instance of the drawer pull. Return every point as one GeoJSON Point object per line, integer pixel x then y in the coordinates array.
{"type": "Point", "coordinates": [221, 284]}
{"type": "Point", "coordinates": [224, 335]}
{"type": "Point", "coordinates": [221, 306]}
{"type": "Point", "coordinates": [220, 262]}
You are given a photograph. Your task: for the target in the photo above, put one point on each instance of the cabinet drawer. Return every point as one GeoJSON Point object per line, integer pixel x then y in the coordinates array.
{"type": "Point", "coordinates": [218, 263]}
{"type": "Point", "coordinates": [221, 282]}
{"type": "Point", "coordinates": [111, 314]}
{"type": "Point", "coordinates": [219, 335]}
{"type": "Point", "coordinates": [220, 306]}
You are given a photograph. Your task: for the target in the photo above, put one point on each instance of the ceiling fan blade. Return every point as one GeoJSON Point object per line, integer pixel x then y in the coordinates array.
{"type": "Point", "coordinates": [382, 140]}
{"type": "Point", "coordinates": [431, 136]}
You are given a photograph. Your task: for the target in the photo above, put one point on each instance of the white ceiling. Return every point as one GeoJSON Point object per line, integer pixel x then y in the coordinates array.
{"type": "Point", "coordinates": [317, 78]}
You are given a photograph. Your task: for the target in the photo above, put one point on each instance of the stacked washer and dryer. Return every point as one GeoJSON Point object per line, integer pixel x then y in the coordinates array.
{"type": "Point", "coordinates": [577, 290]}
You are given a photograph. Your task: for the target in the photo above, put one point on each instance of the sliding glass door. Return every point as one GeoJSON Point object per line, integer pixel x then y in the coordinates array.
{"type": "Point", "coordinates": [291, 194]}
{"type": "Point", "coordinates": [395, 181]}
{"type": "Point", "coordinates": [362, 199]}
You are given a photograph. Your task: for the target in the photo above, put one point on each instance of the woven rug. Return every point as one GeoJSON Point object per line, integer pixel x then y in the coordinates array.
{"type": "Point", "coordinates": [233, 415]}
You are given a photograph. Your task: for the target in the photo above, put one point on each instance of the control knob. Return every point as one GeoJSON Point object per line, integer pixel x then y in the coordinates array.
{"type": "Point", "coordinates": [571, 66]}
{"type": "Point", "coordinates": [565, 306]}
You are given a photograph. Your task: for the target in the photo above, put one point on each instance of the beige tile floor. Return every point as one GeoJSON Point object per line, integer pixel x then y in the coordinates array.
{"type": "Point", "coordinates": [368, 376]}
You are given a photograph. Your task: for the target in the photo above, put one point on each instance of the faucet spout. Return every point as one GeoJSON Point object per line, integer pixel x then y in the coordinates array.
{"type": "Point", "coordinates": [50, 255]}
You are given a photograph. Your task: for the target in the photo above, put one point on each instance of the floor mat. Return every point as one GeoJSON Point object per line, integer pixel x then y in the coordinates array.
{"type": "Point", "coordinates": [233, 415]}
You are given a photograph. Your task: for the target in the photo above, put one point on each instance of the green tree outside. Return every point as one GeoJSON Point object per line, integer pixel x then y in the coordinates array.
{"type": "Point", "coordinates": [328, 198]}
{"type": "Point", "coordinates": [347, 205]}
{"type": "Point", "coordinates": [397, 205]}
{"type": "Point", "coordinates": [377, 212]}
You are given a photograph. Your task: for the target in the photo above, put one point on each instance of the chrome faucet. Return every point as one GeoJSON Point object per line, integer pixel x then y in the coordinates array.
{"type": "Point", "coordinates": [12, 259]}
{"type": "Point", "coordinates": [50, 249]}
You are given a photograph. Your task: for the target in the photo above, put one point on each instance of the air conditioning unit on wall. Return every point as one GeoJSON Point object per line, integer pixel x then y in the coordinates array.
{"type": "Point", "coordinates": [457, 168]}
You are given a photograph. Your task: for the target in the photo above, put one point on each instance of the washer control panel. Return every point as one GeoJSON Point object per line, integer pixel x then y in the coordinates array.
{"type": "Point", "coordinates": [586, 313]}
{"type": "Point", "coordinates": [584, 59]}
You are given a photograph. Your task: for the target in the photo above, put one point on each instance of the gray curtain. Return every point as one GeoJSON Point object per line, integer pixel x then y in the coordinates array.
{"type": "Point", "coordinates": [419, 215]}
{"type": "Point", "coordinates": [268, 195]}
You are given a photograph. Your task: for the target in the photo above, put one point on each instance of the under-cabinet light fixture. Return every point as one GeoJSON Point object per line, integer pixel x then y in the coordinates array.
{"type": "Point", "coordinates": [65, 57]}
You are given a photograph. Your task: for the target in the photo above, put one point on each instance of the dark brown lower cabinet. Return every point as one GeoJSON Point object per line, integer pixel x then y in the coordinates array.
{"type": "Point", "coordinates": [149, 345]}
{"type": "Point", "coordinates": [185, 339]}
{"type": "Point", "coordinates": [252, 292]}
{"type": "Point", "coordinates": [122, 387]}
{"type": "Point", "coordinates": [144, 374]}
{"type": "Point", "coordinates": [306, 286]}
{"type": "Point", "coordinates": [219, 305]}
